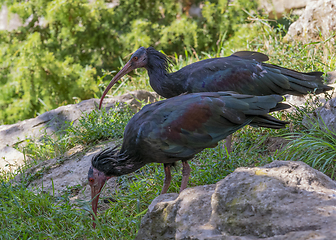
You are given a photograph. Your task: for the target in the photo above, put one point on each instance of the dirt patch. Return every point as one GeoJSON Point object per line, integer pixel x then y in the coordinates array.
{"type": "Point", "coordinates": [275, 143]}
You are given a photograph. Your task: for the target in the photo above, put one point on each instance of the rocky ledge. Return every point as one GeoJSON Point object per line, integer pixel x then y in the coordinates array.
{"type": "Point", "coordinates": [282, 200]}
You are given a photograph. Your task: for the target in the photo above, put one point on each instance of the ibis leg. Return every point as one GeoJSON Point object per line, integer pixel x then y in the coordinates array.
{"type": "Point", "coordinates": [167, 178]}
{"type": "Point", "coordinates": [228, 143]}
{"type": "Point", "coordinates": [185, 175]}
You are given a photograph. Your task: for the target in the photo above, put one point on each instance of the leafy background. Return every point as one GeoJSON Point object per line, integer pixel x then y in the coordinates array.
{"type": "Point", "coordinates": [60, 53]}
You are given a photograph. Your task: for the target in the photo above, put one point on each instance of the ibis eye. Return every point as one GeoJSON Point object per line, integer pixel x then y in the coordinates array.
{"type": "Point", "coordinates": [135, 58]}
{"type": "Point", "coordinates": [91, 180]}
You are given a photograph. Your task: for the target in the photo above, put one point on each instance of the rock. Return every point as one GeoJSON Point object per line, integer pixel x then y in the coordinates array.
{"type": "Point", "coordinates": [331, 77]}
{"type": "Point", "coordinates": [10, 158]}
{"type": "Point", "coordinates": [319, 17]}
{"type": "Point", "coordinates": [133, 99]}
{"type": "Point", "coordinates": [282, 200]}
{"type": "Point", "coordinates": [66, 174]}
{"type": "Point", "coordinates": [311, 100]}
{"type": "Point", "coordinates": [325, 116]}
{"type": "Point", "coordinates": [55, 120]}
{"type": "Point", "coordinates": [277, 8]}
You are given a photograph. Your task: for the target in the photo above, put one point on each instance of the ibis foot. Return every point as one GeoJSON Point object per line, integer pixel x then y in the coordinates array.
{"type": "Point", "coordinates": [185, 175]}
{"type": "Point", "coordinates": [167, 178]}
{"type": "Point", "coordinates": [228, 143]}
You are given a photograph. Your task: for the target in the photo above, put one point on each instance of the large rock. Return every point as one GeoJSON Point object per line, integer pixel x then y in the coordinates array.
{"type": "Point", "coordinates": [319, 17]}
{"type": "Point", "coordinates": [55, 120]}
{"type": "Point", "coordinates": [278, 8]}
{"type": "Point", "coordinates": [282, 200]}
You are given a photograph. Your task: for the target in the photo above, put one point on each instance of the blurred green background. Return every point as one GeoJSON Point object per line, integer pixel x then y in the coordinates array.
{"type": "Point", "coordinates": [59, 54]}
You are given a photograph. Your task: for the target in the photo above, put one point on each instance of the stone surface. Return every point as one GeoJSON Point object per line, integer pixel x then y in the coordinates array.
{"type": "Point", "coordinates": [282, 200]}
{"type": "Point", "coordinates": [319, 17]}
{"type": "Point", "coordinates": [277, 8]}
{"type": "Point", "coordinates": [313, 101]}
{"type": "Point", "coordinates": [55, 120]}
{"type": "Point", "coordinates": [67, 173]}
{"type": "Point", "coordinates": [325, 116]}
{"type": "Point", "coordinates": [10, 158]}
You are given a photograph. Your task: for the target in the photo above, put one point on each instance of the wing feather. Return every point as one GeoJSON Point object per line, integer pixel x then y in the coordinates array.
{"type": "Point", "coordinates": [203, 119]}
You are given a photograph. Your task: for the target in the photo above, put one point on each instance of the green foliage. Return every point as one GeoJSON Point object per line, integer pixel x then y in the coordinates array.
{"type": "Point", "coordinates": [58, 56]}
{"type": "Point", "coordinates": [47, 147]}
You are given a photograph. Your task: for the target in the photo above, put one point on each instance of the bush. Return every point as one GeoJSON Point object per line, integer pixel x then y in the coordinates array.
{"type": "Point", "coordinates": [57, 57]}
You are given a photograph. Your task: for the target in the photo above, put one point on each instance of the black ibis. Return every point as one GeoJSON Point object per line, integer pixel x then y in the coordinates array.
{"type": "Point", "coordinates": [178, 128]}
{"type": "Point", "coordinates": [243, 72]}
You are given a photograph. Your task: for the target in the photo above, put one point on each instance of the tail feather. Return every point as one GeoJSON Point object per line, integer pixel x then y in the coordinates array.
{"type": "Point", "coordinates": [279, 79]}
{"type": "Point", "coordinates": [316, 74]}
{"type": "Point", "coordinates": [280, 106]}
{"type": "Point", "coordinates": [268, 121]}
{"type": "Point", "coordinates": [309, 76]}
{"type": "Point", "coordinates": [301, 83]}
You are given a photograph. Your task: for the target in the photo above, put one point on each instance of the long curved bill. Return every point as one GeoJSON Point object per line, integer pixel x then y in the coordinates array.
{"type": "Point", "coordinates": [126, 69]}
{"type": "Point", "coordinates": [95, 197]}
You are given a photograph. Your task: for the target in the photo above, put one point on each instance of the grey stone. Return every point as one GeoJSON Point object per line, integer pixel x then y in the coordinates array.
{"type": "Point", "coordinates": [319, 17]}
{"type": "Point", "coordinates": [55, 120]}
{"type": "Point", "coordinates": [331, 77]}
{"type": "Point", "coordinates": [8, 21]}
{"type": "Point", "coordinates": [67, 173]}
{"type": "Point", "coordinates": [325, 116]}
{"type": "Point", "coordinates": [10, 158]}
{"type": "Point", "coordinates": [282, 200]}
{"type": "Point", "coordinates": [311, 100]}
{"type": "Point", "coordinates": [277, 8]}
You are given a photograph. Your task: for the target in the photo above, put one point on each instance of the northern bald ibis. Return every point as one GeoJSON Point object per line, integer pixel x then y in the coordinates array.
{"type": "Point", "coordinates": [178, 128]}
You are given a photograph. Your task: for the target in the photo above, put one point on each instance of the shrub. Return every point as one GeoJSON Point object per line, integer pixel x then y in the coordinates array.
{"type": "Point", "coordinates": [57, 57]}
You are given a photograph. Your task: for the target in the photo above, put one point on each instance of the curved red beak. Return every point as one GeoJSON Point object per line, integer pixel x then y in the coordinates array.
{"type": "Point", "coordinates": [95, 193]}
{"type": "Point", "coordinates": [97, 180]}
{"type": "Point", "coordinates": [126, 69]}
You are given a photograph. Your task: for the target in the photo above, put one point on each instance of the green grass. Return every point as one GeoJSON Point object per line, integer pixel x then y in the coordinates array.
{"type": "Point", "coordinates": [25, 215]}
{"type": "Point", "coordinates": [315, 146]}
{"type": "Point", "coordinates": [100, 125]}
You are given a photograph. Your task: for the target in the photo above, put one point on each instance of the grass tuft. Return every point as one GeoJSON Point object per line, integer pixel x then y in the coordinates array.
{"type": "Point", "coordinates": [315, 146]}
{"type": "Point", "coordinates": [100, 125]}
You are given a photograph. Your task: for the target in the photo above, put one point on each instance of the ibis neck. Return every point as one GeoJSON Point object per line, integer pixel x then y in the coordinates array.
{"type": "Point", "coordinates": [166, 84]}
{"type": "Point", "coordinates": [128, 165]}
{"type": "Point", "coordinates": [119, 164]}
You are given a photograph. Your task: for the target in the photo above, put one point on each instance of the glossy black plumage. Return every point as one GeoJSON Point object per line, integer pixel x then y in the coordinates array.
{"type": "Point", "coordinates": [164, 133]}
{"type": "Point", "coordinates": [177, 129]}
{"type": "Point", "coordinates": [243, 72]}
